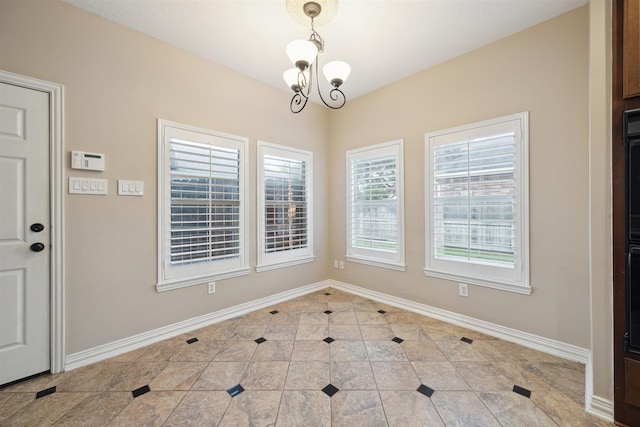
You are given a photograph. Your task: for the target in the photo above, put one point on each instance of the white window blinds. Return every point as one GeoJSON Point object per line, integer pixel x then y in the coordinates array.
{"type": "Point", "coordinates": [474, 200]}
{"type": "Point", "coordinates": [375, 206]}
{"type": "Point", "coordinates": [285, 222]}
{"type": "Point", "coordinates": [202, 208]}
{"type": "Point", "coordinates": [205, 202]}
{"type": "Point", "coordinates": [477, 218]}
{"type": "Point", "coordinates": [286, 213]}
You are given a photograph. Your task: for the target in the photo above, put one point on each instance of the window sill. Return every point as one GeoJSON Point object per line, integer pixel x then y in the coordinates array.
{"type": "Point", "coordinates": [377, 263]}
{"type": "Point", "coordinates": [283, 264]}
{"type": "Point", "coordinates": [510, 287]}
{"type": "Point", "coordinates": [183, 283]}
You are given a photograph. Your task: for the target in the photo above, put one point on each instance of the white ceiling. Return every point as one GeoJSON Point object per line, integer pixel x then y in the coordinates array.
{"type": "Point", "coordinates": [383, 40]}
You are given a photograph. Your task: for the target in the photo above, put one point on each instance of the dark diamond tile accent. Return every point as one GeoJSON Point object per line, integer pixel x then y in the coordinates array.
{"type": "Point", "coordinates": [330, 390]}
{"type": "Point", "coordinates": [140, 391]}
{"type": "Point", "coordinates": [427, 391]}
{"type": "Point", "coordinates": [327, 293]}
{"type": "Point", "coordinates": [192, 340]}
{"type": "Point", "coordinates": [396, 339]}
{"type": "Point", "coordinates": [381, 311]}
{"type": "Point", "coordinates": [274, 312]}
{"type": "Point", "coordinates": [235, 390]}
{"type": "Point", "coordinates": [328, 312]}
{"type": "Point", "coordinates": [260, 340]}
{"type": "Point", "coordinates": [522, 391]}
{"type": "Point", "coordinates": [467, 340]}
{"type": "Point", "coordinates": [45, 392]}
{"type": "Point", "coordinates": [328, 340]}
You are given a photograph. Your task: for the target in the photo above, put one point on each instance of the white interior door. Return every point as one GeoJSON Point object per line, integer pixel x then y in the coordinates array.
{"type": "Point", "coordinates": [25, 331]}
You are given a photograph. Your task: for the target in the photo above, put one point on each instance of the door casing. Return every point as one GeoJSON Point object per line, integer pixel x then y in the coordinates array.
{"type": "Point", "coordinates": [56, 194]}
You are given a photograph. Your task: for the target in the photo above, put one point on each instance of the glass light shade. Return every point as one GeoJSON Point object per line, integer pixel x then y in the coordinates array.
{"type": "Point", "coordinates": [291, 77]}
{"type": "Point", "coordinates": [336, 72]}
{"type": "Point", "coordinates": [302, 51]}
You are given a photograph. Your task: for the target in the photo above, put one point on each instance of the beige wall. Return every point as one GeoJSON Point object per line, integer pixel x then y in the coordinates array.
{"type": "Point", "coordinates": [117, 83]}
{"type": "Point", "coordinates": [543, 70]}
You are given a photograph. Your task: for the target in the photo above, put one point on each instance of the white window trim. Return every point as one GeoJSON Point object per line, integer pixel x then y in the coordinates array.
{"type": "Point", "coordinates": [470, 273]}
{"type": "Point", "coordinates": [166, 281]}
{"type": "Point", "coordinates": [395, 261]}
{"type": "Point", "coordinates": [272, 261]}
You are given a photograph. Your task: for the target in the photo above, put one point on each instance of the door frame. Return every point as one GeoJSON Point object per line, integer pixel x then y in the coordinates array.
{"type": "Point", "coordinates": [56, 209]}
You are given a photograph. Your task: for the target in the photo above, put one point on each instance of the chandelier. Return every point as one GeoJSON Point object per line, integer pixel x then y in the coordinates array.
{"type": "Point", "coordinates": [304, 55]}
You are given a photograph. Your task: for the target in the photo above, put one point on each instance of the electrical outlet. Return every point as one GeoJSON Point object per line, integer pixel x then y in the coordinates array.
{"type": "Point", "coordinates": [212, 287]}
{"type": "Point", "coordinates": [335, 263]}
{"type": "Point", "coordinates": [463, 289]}
{"type": "Point", "coordinates": [341, 265]}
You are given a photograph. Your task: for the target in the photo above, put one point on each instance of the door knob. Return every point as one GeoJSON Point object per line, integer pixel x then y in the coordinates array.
{"type": "Point", "coordinates": [37, 227]}
{"type": "Point", "coordinates": [37, 247]}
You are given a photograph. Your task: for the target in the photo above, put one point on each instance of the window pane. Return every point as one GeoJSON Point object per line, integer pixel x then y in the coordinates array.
{"type": "Point", "coordinates": [374, 205]}
{"type": "Point", "coordinates": [474, 195]}
{"type": "Point", "coordinates": [205, 202]}
{"type": "Point", "coordinates": [285, 205]}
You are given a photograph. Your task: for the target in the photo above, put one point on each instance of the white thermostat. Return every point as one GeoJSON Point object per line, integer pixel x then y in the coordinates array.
{"type": "Point", "coordinates": [87, 161]}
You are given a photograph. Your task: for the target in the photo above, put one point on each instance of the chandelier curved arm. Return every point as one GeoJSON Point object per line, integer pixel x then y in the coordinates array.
{"type": "Point", "coordinates": [335, 95]}
{"type": "Point", "coordinates": [298, 102]}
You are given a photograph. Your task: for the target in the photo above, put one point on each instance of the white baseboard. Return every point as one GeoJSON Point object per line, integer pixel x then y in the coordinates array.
{"type": "Point", "coordinates": [115, 348]}
{"type": "Point", "coordinates": [595, 405]}
{"type": "Point", "coordinates": [601, 408]}
{"type": "Point", "coordinates": [546, 345]}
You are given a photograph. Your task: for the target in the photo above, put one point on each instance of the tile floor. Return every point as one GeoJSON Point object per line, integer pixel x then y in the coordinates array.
{"type": "Point", "coordinates": [325, 359]}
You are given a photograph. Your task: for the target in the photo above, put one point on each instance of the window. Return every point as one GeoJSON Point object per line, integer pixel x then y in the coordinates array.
{"type": "Point", "coordinates": [477, 203]}
{"type": "Point", "coordinates": [201, 206]}
{"type": "Point", "coordinates": [375, 205]}
{"type": "Point", "coordinates": [285, 197]}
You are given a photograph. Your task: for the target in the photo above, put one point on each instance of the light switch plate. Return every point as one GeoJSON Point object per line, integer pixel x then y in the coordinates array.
{"type": "Point", "coordinates": [88, 186]}
{"type": "Point", "coordinates": [130, 188]}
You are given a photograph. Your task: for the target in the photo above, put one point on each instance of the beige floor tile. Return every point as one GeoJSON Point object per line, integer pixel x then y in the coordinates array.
{"type": "Point", "coordinates": [395, 376]}
{"type": "Point", "coordinates": [341, 307]}
{"type": "Point", "coordinates": [248, 332]}
{"type": "Point", "coordinates": [281, 332]}
{"type": "Point", "coordinates": [308, 375]}
{"type": "Point", "coordinates": [462, 409]}
{"type": "Point", "coordinates": [10, 403]}
{"type": "Point", "coordinates": [345, 332]}
{"type": "Point", "coordinates": [252, 409]}
{"type": "Point", "coordinates": [310, 350]}
{"type": "Point", "coordinates": [234, 351]}
{"type": "Point", "coordinates": [357, 408]}
{"type": "Point", "coordinates": [312, 332]}
{"type": "Point", "coordinates": [314, 318]}
{"type": "Point", "coordinates": [178, 376]}
{"type": "Point", "coordinates": [370, 318]}
{"type": "Point", "coordinates": [44, 411]}
{"type": "Point", "coordinates": [564, 411]}
{"type": "Point", "coordinates": [409, 331]}
{"type": "Point", "coordinates": [199, 351]}
{"type": "Point", "coordinates": [220, 376]}
{"type": "Point", "coordinates": [347, 351]}
{"type": "Point", "coordinates": [459, 351]}
{"type": "Point", "coordinates": [286, 318]}
{"type": "Point", "coordinates": [40, 382]}
{"type": "Point", "coordinates": [273, 350]}
{"type": "Point", "coordinates": [150, 409]}
{"type": "Point", "coordinates": [422, 351]}
{"type": "Point", "coordinates": [304, 408]}
{"type": "Point", "coordinates": [265, 376]}
{"type": "Point", "coordinates": [489, 376]}
{"type": "Point", "coordinates": [352, 376]}
{"type": "Point", "coordinates": [439, 376]}
{"type": "Point", "coordinates": [343, 318]}
{"type": "Point", "coordinates": [408, 409]}
{"type": "Point", "coordinates": [512, 409]}
{"type": "Point", "coordinates": [384, 351]}
{"type": "Point", "coordinates": [96, 410]}
{"type": "Point", "coordinates": [376, 332]}
{"type": "Point", "coordinates": [199, 408]}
